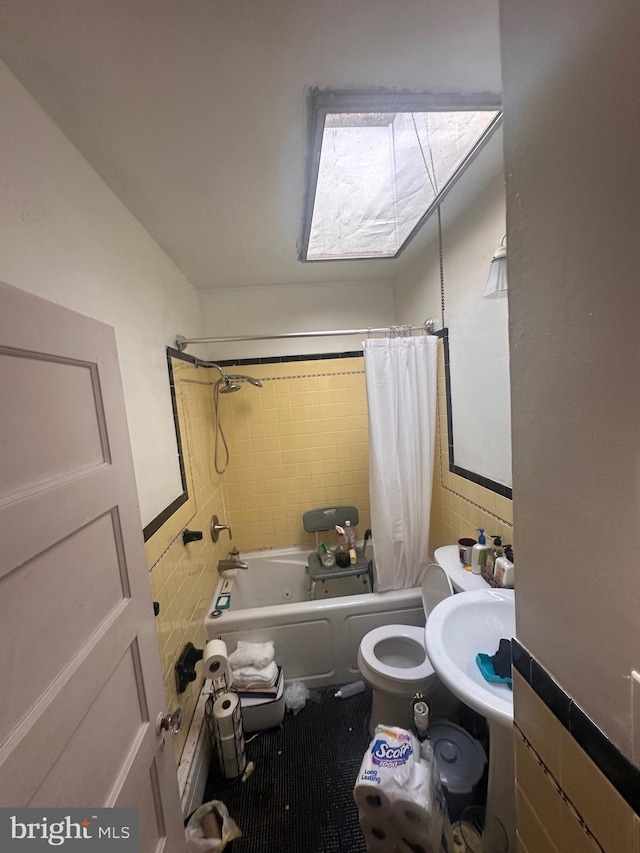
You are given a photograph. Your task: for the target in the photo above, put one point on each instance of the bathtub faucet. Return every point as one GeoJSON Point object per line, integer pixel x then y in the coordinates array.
{"type": "Point", "coordinates": [232, 562]}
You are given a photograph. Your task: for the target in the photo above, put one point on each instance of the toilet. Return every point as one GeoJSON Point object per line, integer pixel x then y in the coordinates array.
{"type": "Point", "coordinates": [393, 660]}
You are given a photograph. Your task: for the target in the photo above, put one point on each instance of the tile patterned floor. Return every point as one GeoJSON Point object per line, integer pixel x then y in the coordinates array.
{"type": "Point", "coordinates": [299, 798]}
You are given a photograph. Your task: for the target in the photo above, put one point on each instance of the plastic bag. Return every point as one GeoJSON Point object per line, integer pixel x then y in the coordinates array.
{"type": "Point", "coordinates": [197, 825]}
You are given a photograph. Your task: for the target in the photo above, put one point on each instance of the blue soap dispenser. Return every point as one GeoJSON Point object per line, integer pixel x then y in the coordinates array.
{"type": "Point", "coordinates": [479, 553]}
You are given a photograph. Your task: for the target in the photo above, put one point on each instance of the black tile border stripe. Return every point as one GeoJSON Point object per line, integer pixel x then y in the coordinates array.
{"type": "Point", "coordinates": [521, 660]}
{"type": "Point", "coordinates": [282, 359]}
{"type": "Point", "coordinates": [485, 482]}
{"type": "Point", "coordinates": [617, 768]}
{"type": "Point", "coordinates": [491, 485]}
{"type": "Point", "coordinates": [156, 523]}
{"type": "Point", "coordinates": [551, 693]}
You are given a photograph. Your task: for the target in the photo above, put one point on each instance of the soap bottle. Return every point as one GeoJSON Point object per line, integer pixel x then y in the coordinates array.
{"type": "Point", "coordinates": [504, 568]}
{"type": "Point", "coordinates": [479, 553]}
{"type": "Point", "coordinates": [493, 553]}
{"type": "Point", "coordinates": [341, 552]}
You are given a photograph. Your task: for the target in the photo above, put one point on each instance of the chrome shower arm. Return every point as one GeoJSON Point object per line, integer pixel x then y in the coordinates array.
{"type": "Point", "coordinates": [198, 362]}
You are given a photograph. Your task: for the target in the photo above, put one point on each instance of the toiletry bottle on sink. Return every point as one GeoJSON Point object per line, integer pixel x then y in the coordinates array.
{"type": "Point", "coordinates": [479, 553]}
{"type": "Point", "coordinates": [493, 553]}
{"type": "Point", "coordinates": [504, 568]}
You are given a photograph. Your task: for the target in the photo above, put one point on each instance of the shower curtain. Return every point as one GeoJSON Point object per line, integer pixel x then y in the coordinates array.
{"type": "Point", "coordinates": [400, 375]}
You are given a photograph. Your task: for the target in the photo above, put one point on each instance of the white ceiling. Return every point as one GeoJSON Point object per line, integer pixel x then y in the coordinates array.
{"type": "Point", "coordinates": [194, 111]}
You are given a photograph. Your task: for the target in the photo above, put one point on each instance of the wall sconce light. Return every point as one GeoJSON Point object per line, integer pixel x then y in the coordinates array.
{"type": "Point", "coordinates": [497, 281]}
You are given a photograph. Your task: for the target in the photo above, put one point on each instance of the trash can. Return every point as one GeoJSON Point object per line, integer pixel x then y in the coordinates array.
{"type": "Point", "coordinates": [461, 761]}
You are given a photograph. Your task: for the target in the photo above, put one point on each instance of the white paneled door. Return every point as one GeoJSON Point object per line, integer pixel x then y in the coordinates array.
{"type": "Point", "coordinates": [80, 677]}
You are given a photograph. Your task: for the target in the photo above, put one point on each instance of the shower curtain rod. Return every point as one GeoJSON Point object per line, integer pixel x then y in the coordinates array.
{"type": "Point", "coordinates": [427, 327]}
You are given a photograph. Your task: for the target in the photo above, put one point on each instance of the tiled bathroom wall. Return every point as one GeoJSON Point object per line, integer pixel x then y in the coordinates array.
{"type": "Point", "coordinates": [183, 577]}
{"type": "Point", "coordinates": [564, 800]}
{"type": "Point", "coordinates": [458, 505]}
{"type": "Point", "coordinates": [303, 442]}
{"type": "Point", "coordinates": [299, 442]}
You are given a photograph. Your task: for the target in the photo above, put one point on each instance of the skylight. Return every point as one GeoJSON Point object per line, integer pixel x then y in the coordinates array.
{"type": "Point", "coordinates": [381, 163]}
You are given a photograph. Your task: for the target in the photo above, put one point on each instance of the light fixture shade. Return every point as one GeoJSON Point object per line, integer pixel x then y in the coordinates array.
{"type": "Point", "coordinates": [497, 281]}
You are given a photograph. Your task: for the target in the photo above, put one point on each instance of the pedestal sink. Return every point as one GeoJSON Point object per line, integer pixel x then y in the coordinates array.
{"type": "Point", "coordinates": [457, 629]}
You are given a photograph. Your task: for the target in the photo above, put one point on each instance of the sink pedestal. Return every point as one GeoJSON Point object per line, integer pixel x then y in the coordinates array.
{"type": "Point", "coordinates": [501, 793]}
{"type": "Point", "coordinates": [457, 629]}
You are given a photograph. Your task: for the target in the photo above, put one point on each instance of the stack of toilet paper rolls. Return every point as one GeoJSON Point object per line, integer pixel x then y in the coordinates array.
{"type": "Point", "coordinates": [398, 793]}
{"type": "Point", "coordinates": [226, 712]}
{"type": "Point", "coordinates": [230, 742]}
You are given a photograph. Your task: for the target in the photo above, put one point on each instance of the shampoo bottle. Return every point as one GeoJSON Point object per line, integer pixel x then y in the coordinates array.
{"type": "Point", "coordinates": [504, 568]}
{"type": "Point", "coordinates": [493, 553]}
{"type": "Point", "coordinates": [479, 553]}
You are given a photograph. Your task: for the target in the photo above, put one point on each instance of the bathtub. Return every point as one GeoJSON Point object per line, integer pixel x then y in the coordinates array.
{"type": "Point", "coordinates": [315, 641]}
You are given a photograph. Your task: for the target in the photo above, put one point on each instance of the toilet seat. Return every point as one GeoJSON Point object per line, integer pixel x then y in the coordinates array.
{"type": "Point", "coordinates": [396, 677]}
{"type": "Point", "coordinates": [393, 659]}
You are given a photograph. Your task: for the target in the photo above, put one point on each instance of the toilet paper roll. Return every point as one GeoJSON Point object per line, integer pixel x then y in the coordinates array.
{"type": "Point", "coordinates": [412, 814]}
{"type": "Point", "coordinates": [234, 767]}
{"type": "Point", "coordinates": [215, 660]}
{"type": "Point", "coordinates": [379, 847]}
{"type": "Point", "coordinates": [378, 832]}
{"type": "Point", "coordinates": [419, 830]}
{"type": "Point", "coordinates": [417, 845]}
{"type": "Point", "coordinates": [371, 800]}
{"type": "Point", "coordinates": [224, 708]}
{"type": "Point", "coordinates": [230, 748]}
{"type": "Point", "coordinates": [231, 755]}
{"type": "Point", "coordinates": [417, 796]}
{"type": "Point", "coordinates": [421, 717]}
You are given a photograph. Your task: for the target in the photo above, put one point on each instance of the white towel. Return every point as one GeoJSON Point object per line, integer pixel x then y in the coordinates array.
{"type": "Point", "coordinates": [251, 676]}
{"type": "Point", "coordinates": [252, 654]}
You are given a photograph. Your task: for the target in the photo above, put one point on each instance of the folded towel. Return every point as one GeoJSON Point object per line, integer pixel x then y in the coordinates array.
{"type": "Point", "coordinates": [502, 659]}
{"type": "Point", "coordinates": [252, 654]}
{"type": "Point", "coordinates": [253, 686]}
{"type": "Point", "coordinates": [251, 676]}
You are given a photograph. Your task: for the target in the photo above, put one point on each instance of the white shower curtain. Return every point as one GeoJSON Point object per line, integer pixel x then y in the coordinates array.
{"type": "Point", "coordinates": [401, 375]}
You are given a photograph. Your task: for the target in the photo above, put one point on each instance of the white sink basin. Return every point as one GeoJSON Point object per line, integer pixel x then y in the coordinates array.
{"type": "Point", "coordinates": [460, 627]}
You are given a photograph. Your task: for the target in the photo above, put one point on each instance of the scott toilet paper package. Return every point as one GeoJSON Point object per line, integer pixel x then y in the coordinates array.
{"type": "Point", "coordinates": [398, 794]}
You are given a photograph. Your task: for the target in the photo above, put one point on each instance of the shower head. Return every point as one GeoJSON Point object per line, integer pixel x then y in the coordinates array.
{"type": "Point", "coordinates": [250, 379]}
{"type": "Point", "coordinates": [227, 378]}
{"type": "Point", "coordinates": [227, 386]}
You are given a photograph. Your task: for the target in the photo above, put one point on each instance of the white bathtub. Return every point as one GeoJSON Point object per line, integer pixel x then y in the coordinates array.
{"type": "Point", "coordinates": [315, 641]}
